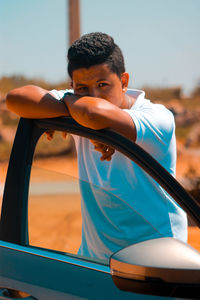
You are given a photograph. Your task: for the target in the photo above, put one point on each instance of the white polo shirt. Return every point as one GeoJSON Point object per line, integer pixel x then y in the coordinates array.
{"type": "Point", "coordinates": [121, 204]}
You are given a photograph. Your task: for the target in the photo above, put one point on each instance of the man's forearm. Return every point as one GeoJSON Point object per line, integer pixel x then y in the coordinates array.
{"type": "Point", "coordinates": [98, 113]}
{"type": "Point", "coordinates": [35, 102]}
{"type": "Point", "coordinates": [88, 111]}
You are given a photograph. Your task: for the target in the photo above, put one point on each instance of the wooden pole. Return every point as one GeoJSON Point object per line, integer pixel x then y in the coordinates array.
{"type": "Point", "coordinates": [74, 20]}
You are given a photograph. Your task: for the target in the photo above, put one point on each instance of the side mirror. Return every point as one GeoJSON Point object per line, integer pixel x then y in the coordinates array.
{"type": "Point", "coordinates": [163, 266]}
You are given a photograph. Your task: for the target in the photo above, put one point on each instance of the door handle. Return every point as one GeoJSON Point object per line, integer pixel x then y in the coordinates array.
{"type": "Point", "coordinates": [6, 294]}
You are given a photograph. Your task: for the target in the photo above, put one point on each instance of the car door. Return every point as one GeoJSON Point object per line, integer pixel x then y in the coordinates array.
{"type": "Point", "coordinates": [38, 273]}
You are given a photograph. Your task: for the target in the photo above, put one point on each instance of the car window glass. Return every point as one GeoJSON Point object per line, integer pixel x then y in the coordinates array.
{"type": "Point", "coordinates": [54, 213]}
{"type": "Point", "coordinates": [55, 218]}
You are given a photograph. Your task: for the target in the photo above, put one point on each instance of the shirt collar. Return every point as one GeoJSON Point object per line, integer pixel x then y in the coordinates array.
{"type": "Point", "coordinates": [137, 94]}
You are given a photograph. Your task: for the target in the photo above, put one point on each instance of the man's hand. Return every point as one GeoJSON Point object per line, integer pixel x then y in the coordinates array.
{"type": "Point", "coordinates": [50, 134]}
{"type": "Point", "coordinates": [106, 151]}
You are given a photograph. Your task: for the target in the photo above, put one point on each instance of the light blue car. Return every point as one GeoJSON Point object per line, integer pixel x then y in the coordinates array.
{"type": "Point", "coordinates": [163, 268]}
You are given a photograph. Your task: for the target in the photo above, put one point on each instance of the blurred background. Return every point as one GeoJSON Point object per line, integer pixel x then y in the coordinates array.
{"type": "Point", "coordinates": [161, 44]}
{"type": "Point", "coordinates": [160, 41]}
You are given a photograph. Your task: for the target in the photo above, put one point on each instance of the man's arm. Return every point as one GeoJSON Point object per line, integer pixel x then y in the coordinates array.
{"type": "Point", "coordinates": [97, 113]}
{"type": "Point", "coordinates": [34, 102]}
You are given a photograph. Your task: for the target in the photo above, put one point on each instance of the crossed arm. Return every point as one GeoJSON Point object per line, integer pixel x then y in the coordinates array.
{"type": "Point", "coordinates": [96, 113]}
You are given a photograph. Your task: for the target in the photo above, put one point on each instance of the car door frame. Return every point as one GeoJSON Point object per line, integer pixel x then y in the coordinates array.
{"type": "Point", "coordinates": [14, 216]}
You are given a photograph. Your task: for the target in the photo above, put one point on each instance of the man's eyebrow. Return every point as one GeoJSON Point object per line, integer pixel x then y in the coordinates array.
{"type": "Point", "coordinates": [80, 84]}
{"type": "Point", "coordinates": [83, 84]}
{"type": "Point", "coordinates": [102, 79]}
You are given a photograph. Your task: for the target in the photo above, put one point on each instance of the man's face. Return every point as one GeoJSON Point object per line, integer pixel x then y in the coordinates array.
{"type": "Point", "coordinates": [98, 81]}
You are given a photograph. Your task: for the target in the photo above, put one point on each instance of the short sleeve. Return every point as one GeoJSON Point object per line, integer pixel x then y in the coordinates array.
{"type": "Point", "coordinates": [155, 128]}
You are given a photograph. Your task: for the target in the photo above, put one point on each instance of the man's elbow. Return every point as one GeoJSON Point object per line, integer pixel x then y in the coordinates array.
{"type": "Point", "coordinates": [19, 100]}
{"type": "Point", "coordinates": [12, 100]}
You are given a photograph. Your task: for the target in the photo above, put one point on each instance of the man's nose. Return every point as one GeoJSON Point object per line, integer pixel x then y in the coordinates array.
{"type": "Point", "coordinates": [93, 92]}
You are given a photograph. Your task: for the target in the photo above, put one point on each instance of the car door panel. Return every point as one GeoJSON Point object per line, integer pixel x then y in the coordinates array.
{"type": "Point", "coordinates": [48, 275]}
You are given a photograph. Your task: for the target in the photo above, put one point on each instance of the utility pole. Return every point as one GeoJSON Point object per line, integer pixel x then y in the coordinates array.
{"type": "Point", "coordinates": [74, 20]}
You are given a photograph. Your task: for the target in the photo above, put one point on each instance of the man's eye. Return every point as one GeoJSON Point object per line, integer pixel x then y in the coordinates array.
{"type": "Point", "coordinates": [82, 89]}
{"type": "Point", "coordinates": [102, 84]}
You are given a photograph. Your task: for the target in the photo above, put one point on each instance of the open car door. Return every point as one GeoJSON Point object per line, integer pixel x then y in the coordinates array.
{"type": "Point", "coordinates": [34, 273]}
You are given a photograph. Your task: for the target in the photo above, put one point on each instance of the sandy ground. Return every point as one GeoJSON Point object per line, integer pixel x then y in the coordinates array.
{"type": "Point", "coordinates": [55, 221]}
{"type": "Point", "coordinates": [188, 162]}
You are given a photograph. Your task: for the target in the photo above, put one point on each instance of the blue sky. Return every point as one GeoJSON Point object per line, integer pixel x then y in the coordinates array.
{"type": "Point", "coordinates": [160, 39]}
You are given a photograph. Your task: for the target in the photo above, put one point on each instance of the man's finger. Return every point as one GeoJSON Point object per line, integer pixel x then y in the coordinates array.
{"type": "Point", "coordinates": [50, 134]}
{"type": "Point", "coordinates": [107, 155]}
{"type": "Point", "coordinates": [106, 151]}
{"type": "Point", "coordinates": [93, 142]}
{"type": "Point", "coordinates": [100, 147]}
{"type": "Point", "coordinates": [64, 134]}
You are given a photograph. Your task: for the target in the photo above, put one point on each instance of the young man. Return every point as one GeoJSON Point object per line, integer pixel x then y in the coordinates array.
{"type": "Point", "coordinates": [122, 205]}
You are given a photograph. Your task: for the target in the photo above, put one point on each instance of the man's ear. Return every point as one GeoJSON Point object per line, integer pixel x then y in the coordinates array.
{"type": "Point", "coordinates": [124, 80]}
{"type": "Point", "coordinates": [71, 84]}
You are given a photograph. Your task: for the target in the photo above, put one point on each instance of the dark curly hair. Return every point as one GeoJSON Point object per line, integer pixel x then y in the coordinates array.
{"type": "Point", "coordinates": [93, 49]}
